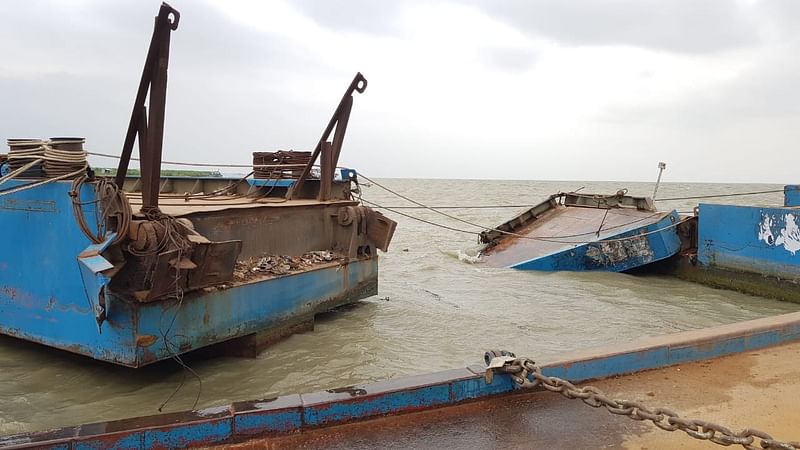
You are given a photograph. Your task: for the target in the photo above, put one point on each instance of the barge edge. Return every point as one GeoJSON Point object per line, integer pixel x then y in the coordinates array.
{"type": "Point", "coordinates": [298, 412]}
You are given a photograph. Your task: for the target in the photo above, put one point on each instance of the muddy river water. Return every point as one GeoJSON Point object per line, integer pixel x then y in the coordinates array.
{"type": "Point", "coordinates": [435, 311]}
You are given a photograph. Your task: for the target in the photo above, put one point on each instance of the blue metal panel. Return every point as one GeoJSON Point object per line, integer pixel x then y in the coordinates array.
{"type": "Point", "coordinates": [713, 350]}
{"type": "Point", "coordinates": [246, 309]}
{"type": "Point", "coordinates": [270, 183]}
{"type": "Point", "coordinates": [615, 256]}
{"type": "Point", "coordinates": [343, 175]}
{"type": "Point", "coordinates": [268, 416]}
{"type": "Point", "coordinates": [751, 239]}
{"type": "Point", "coordinates": [191, 434]}
{"type": "Point", "coordinates": [340, 406]}
{"type": "Point", "coordinates": [790, 333]}
{"type": "Point", "coordinates": [476, 388]}
{"type": "Point", "coordinates": [721, 347]}
{"type": "Point", "coordinates": [610, 365]}
{"type": "Point", "coordinates": [333, 412]}
{"type": "Point", "coordinates": [125, 441]}
{"type": "Point", "coordinates": [268, 421]}
{"type": "Point", "coordinates": [791, 195]}
{"type": "Point", "coordinates": [42, 296]}
{"type": "Point", "coordinates": [96, 263]}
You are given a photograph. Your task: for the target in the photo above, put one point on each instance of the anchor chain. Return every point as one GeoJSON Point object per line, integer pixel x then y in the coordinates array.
{"type": "Point", "coordinates": [527, 374]}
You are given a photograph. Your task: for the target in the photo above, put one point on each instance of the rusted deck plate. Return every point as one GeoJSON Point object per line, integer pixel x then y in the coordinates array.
{"type": "Point", "coordinates": [179, 206]}
{"type": "Point", "coordinates": [564, 227]}
{"type": "Point", "coordinates": [750, 390]}
{"type": "Point", "coordinates": [760, 386]}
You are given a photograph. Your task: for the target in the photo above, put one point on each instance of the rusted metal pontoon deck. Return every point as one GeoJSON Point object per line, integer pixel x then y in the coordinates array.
{"type": "Point", "coordinates": [757, 389]}
{"type": "Point", "coordinates": [739, 376]}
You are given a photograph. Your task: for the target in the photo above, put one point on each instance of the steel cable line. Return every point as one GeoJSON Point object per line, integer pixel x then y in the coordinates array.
{"type": "Point", "coordinates": [556, 239]}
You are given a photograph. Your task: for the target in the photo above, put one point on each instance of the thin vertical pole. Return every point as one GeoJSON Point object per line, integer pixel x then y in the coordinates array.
{"type": "Point", "coordinates": [661, 166]}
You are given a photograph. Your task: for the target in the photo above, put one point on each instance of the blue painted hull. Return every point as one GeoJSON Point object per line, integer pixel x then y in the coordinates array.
{"type": "Point", "coordinates": [296, 413]}
{"type": "Point", "coordinates": [752, 239]}
{"type": "Point", "coordinates": [616, 253]}
{"type": "Point", "coordinates": [583, 232]}
{"type": "Point", "coordinates": [43, 297]}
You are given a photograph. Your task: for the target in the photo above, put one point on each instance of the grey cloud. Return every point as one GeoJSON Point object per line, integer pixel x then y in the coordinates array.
{"type": "Point", "coordinates": [84, 68]}
{"type": "Point", "coordinates": [60, 103]}
{"type": "Point", "coordinates": [115, 35]}
{"type": "Point", "coordinates": [222, 104]}
{"type": "Point", "coordinates": [380, 18]}
{"type": "Point", "coordinates": [783, 16]}
{"type": "Point", "coordinates": [366, 16]}
{"type": "Point", "coordinates": [509, 59]}
{"type": "Point", "coordinates": [767, 91]}
{"type": "Point", "coordinates": [687, 26]}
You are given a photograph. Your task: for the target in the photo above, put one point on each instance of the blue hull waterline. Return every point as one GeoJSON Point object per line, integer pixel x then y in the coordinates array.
{"type": "Point", "coordinates": [135, 270]}
{"type": "Point", "coordinates": [293, 413]}
{"type": "Point", "coordinates": [50, 276]}
{"type": "Point", "coordinates": [752, 249]}
{"type": "Point", "coordinates": [581, 232]}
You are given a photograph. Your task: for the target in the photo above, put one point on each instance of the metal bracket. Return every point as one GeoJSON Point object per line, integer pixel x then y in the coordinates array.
{"type": "Point", "coordinates": [95, 275]}
{"type": "Point", "coordinates": [330, 150]}
{"type": "Point", "coordinates": [495, 361]}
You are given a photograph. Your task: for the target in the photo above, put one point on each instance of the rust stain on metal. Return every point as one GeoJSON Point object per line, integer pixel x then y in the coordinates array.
{"type": "Point", "coordinates": [352, 390]}
{"type": "Point", "coordinates": [9, 292]}
{"type": "Point", "coordinates": [145, 340]}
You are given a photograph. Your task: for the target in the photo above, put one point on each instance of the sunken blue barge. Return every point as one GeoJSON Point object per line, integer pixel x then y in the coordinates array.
{"type": "Point", "coordinates": [134, 270]}
{"type": "Point", "coordinates": [584, 232]}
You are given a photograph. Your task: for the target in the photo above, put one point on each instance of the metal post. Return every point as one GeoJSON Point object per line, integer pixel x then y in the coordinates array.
{"type": "Point", "coordinates": [661, 166]}
{"type": "Point", "coordinates": [151, 164]}
{"type": "Point", "coordinates": [150, 131]}
{"type": "Point", "coordinates": [339, 120]}
{"type": "Point", "coordinates": [326, 172]}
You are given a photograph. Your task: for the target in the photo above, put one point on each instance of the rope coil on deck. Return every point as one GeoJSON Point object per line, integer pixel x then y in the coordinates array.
{"type": "Point", "coordinates": [527, 374]}
{"type": "Point", "coordinates": [40, 158]}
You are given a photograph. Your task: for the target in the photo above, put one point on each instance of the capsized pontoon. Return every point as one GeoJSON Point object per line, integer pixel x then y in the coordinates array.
{"type": "Point", "coordinates": [582, 232]}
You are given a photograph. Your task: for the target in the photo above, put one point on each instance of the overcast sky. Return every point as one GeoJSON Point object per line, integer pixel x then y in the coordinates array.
{"type": "Point", "coordinates": [513, 89]}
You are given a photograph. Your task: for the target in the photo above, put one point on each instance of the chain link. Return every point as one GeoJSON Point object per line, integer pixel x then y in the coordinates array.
{"type": "Point", "coordinates": [527, 374]}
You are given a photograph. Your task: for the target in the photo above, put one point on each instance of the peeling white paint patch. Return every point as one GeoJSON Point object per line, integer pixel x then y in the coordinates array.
{"type": "Point", "coordinates": [788, 236]}
{"type": "Point", "coordinates": [765, 230]}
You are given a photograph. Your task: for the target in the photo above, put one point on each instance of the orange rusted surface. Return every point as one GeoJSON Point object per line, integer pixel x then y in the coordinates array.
{"type": "Point", "coordinates": [750, 390]}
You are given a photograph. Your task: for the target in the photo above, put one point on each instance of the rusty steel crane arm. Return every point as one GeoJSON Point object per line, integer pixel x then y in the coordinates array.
{"type": "Point", "coordinates": [150, 130]}
{"type": "Point", "coordinates": [330, 150]}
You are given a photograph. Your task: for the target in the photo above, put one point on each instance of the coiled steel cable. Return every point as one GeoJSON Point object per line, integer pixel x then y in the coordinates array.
{"type": "Point", "coordinates": [110, 202]}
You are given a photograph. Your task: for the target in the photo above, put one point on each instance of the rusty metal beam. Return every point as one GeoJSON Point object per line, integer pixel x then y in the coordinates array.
{"type": "Point", "coordinates": [326, 171]}
{"type": "Point", "coordinates": [150, 131]}
{"type": "Point", "coordinates": [339, 121]}
{"type": "Point", "coordinates": [341, 128]}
